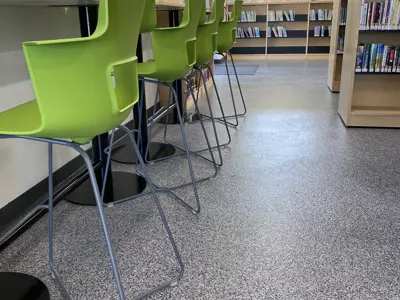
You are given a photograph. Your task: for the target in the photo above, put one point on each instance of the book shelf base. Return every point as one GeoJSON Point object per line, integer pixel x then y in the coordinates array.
{"type": "Point", "coordinates": [375, 116]}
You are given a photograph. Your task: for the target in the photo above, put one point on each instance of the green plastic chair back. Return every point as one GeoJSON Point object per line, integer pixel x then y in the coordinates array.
{"type": "Point", "coordinates": [174, 48]}
{"type": "Point", "coordinates": [149, 21]}
{"type": "Point", "coordinates": [207, 34]}
{"type": "Point", "coordinates": [76, 96]}
{"type": "Point", "coordinates": [227, 29]}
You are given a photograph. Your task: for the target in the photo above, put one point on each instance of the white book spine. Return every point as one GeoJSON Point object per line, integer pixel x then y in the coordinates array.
{"type": "Point", "coordinates": [384, 58]}
{"type": "Point", "coordinates": [364, 17]}
{"type": "Point", "coordinates": [384, 14]}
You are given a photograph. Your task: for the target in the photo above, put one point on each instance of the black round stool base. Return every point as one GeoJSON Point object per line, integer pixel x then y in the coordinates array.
{"type": "Point", "coordinates": [124, 185]}
{"type": "Point", "coordinates": [123, 153]}
{"type": "Point", "coordinates": [18, 286]}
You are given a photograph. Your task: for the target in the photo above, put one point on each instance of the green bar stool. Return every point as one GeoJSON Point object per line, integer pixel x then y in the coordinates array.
{"type": "Point", "coordinates": [77, 99]}
{"type": "Point", "coordinates": [174, 51]}
{"type": "Point", "coordinates": [226, 40]}
{"type": "Point", "coordinates": [206, 46]}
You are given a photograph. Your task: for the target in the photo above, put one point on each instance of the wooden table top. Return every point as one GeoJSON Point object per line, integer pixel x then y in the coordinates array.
{"type": "Point", "coordinates": [160, 3]}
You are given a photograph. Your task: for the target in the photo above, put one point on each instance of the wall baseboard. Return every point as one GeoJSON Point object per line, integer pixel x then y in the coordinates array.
{"type": "Point", "coordinates": [18, 208]}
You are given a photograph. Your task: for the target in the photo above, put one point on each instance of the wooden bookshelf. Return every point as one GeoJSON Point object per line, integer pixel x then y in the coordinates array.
{"type": "Point", "coordinates": [335, 55]}
{"type": "Point", "coordinates": [367, 99]}
{"type": "Point", "coordinates": [300, 41]}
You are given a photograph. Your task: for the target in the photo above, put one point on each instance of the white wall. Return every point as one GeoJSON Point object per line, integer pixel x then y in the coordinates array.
{"type": "Point", "coordinates": [24, 163]}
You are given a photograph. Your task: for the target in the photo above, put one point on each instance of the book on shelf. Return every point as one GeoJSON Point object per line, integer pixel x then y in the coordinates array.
{"type": "Point", "coordinates": [372, 62]}
{"type": "Point", "coordinates": [380, 15]}
{"type": "Point", "coordinates": [275, 31]}
{"type": "Point", "coordinates": [269, 32]}
{"type": "Point", "coordinates": [287, 16]}
{"type": "Point", "coordinates": [291, 14]}
{"type": "Point", "coordinates": [378, 58]}
{"type": "Point", "coordinates": [340, 46]}
{"type": "Point", "coordinates": [279, 15]}
{"type": "Point", "coordinates": [312, 15]}
{"type": "Point", "coordinates": [365, 62]}
{"type": "Point", "coordinates": [284, 32]}
{"type": "Point", "coordinates": [280, 31]}
{"type": "Point", "coordinates": [359, 58]}
{"type": "Point", "coordinates": [317, 31]}
{"type": "Point", "coordinates": [320, 14]}
{"type": "Point", "coordinates": [343, 15]}
{"type": "Point", "coordinates": [271, 16]}
{"type": "Point", "coordinates": [257, 32]}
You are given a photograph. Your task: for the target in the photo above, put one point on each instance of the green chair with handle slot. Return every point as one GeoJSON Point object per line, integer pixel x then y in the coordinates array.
{"type": "Point", "coordinates": [77, 99]}
{"type": "Point", "coordinates": [226, 40]}
{"type": "Point", "coordinates": [206, 47]}
{"type": "Point", "coordinates": [174, 50]}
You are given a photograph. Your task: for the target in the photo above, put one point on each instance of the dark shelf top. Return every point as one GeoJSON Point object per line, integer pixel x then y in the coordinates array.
{"type": "Point", "coordinates": [386, 30]}
{"type": "Point", "coordinates": [377, 73]}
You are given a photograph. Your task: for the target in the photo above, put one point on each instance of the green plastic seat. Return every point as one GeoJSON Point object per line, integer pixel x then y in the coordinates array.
{"type": "Point", "coordinates": [76, 96]}
{"type": "Point", "coordinates": [174, 48]}
{"type": "Point", "coordinates": [207, 33]}
{"type": "Point", "coordinates": [227, 29]}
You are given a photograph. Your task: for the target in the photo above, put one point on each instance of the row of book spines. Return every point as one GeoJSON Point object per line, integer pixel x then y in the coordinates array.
{"type": "Point", "coordinates": [248, 16]}
{"type": "Point", "coordinates": [378, 58]}
{"type": "Point", "coordinates": [278, 15]}
{"type": "Point", "coordinates": [321, 15]}
{"type": "Point", "coordinates": [279, 31]}
{"type": "Point", "coordinates": [250, 32]}
{"type": "Point", "coordinates": [383, 15]}
{"type": "Point", "coordinates": [322, 31]}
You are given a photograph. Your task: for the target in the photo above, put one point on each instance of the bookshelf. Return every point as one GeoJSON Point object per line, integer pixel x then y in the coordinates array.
{"type": "Point", "coordinates": [367, 99]}
{"type": "Point", "coordinates": [295, 32]}
{"type": "Point", "coordinates": [337, 45]}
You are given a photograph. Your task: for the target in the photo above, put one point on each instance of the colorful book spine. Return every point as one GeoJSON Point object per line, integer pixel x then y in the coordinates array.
{"type": "Point", "coordinates": [379, 55]}
{"type": "Point", "coordinates": [366, 56]}
{"type": "Point", "coordinates": [372, 61]}
{"type": "Point", "coordinates": [384, 58]}
{"type": "Point", "coordinates": [359, 58]}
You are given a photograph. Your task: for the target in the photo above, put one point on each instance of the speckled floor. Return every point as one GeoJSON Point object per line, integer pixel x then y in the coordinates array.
{"type": "Point", "coordinates": [302, 209]}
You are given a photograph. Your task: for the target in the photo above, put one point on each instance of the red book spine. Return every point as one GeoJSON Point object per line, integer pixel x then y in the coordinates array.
{"type": "Point", "coordinates": [391, 59]}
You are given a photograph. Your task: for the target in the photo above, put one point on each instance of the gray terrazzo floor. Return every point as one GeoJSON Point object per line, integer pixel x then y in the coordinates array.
{"type": "Point", "coordinates": [303, 208]}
